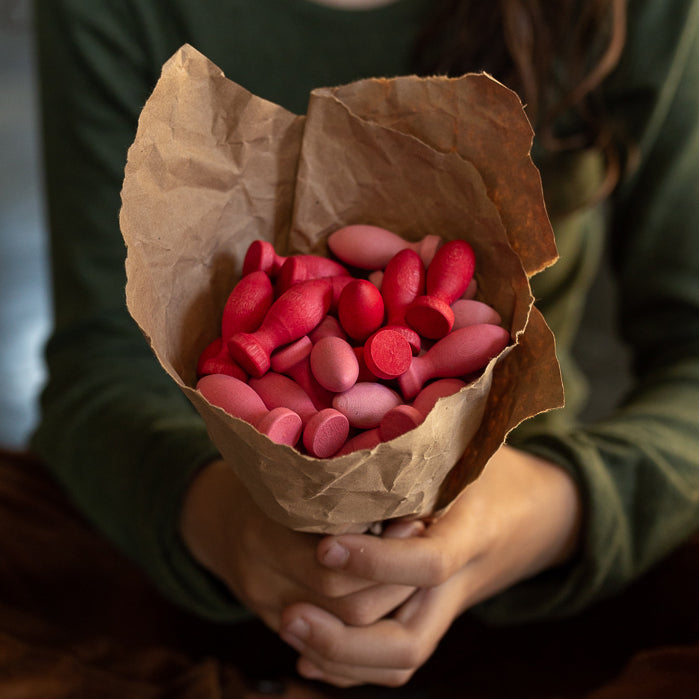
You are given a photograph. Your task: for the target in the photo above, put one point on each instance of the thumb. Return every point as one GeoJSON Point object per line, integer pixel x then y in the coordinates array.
{"type": "Point", "coordinates": [417, 561]}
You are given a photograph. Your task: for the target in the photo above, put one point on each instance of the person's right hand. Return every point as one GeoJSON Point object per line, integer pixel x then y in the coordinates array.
{"type": "Point", "coordinates": [268, 566]}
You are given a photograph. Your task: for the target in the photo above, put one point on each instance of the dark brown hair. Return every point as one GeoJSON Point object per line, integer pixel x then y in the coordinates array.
{"type": "Point", "coordinates": [554, 53]}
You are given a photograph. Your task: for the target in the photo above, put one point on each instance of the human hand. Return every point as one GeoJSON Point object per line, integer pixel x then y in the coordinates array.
{"type": "Point", "coordinates": [519, 517]}
{"type": "Point", "coordinates": [268, 566]}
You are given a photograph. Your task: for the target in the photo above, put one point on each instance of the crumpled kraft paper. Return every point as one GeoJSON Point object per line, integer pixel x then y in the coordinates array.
{"type": "Point", "coordinates": [213, 168]}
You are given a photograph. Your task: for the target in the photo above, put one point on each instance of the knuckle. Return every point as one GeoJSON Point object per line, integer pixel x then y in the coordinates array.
{"type": "Point", "coordinates": [373, 567]}
{"type": "Point", "coordinates": [411, 655]}
{"type": "Point", "coordinates": [438, 567]}
{"type": "Point", "coordinates": [329, 648]}
{"type": "Point", "coordinates": [399, 678]}
{"type": "Point", "coordinates": [329, 585]}
{"type": "Point", "coordinates": [358, 612]}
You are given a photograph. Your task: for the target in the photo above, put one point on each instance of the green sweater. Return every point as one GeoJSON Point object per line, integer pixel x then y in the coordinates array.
{"type": "Point", "coordinates": [125, 443]}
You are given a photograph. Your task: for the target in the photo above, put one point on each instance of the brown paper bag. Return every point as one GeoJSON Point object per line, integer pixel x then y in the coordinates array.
{"type": "Point", "coordinates": [213, 168]}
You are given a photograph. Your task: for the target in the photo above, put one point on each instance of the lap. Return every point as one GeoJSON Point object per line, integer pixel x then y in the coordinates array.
{"type": "Point", "coordinates": [77, 618]}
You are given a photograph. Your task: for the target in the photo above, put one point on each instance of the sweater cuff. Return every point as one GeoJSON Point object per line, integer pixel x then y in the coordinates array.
{"type": "Point", "coordinates": [163, 553]}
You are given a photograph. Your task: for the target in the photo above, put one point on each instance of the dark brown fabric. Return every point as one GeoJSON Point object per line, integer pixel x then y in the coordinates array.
{"type": "Point", "coordinates": [78, 620]}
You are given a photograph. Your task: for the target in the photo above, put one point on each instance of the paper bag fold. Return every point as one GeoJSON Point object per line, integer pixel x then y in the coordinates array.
{"type": "Point", "coordinates": [214, 167]}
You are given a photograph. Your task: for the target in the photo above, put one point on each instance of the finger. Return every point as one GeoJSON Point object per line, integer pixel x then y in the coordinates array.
{"type": "Point", "coordinates": [295, 558]}
{"type": "Point", "coordinates": [334, 581]}
{"type": "Point", "coordinates": [389, 643]}
{"type": "Point", "coordinates": [360, 676]}
{"type": "Point", "coordinates": [403, 529]}
{"type": "Point", "coordinates": [423, 560]}
{"type": "Point", "coordinates": [290, 554]}
{"type": "Point", "coordinates": [336, 648]}
{"type": "Point", "coordinates": [333, 552]}
{"type": "Point", "coordinates": [417, 562]}
{"type": "Point", "coordinates": [368, 606]}
{"type": "Point", "coordinates": [387, 652]}
{"type": "Point", "coordinates": [320, 581]}
{"type": "Point", "coordinates": [273, 593]}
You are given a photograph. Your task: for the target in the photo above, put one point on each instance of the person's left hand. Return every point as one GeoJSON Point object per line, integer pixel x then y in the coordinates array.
{"type": "Point", "coordinates": [518, 518]}
{"type": "Point", "coordinates": [268, 566]}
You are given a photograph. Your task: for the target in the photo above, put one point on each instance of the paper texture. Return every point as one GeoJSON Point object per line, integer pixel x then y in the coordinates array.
{"type": "Point", "coordinates": [214, 167]}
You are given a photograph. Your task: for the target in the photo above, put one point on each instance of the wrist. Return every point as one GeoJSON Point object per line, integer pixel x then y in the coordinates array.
{"type": "Point", "coordinates": [523, 517]}
{"type": "Point", "coordinates": [554, 501]}
{"type": "Point", "coordinates": [209, 504]}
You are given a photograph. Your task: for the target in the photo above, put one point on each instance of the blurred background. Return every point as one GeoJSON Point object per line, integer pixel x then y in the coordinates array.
{"type": "Point", "coordinates": [24, 297]}
{"type": "Point", "coordinates": [24, 282]}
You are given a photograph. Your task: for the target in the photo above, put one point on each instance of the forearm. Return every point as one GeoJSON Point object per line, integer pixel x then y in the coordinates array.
{"type": "Point", "coordinates": [639, 481]}
{"type": "Point", "coordinates": [638, 469]}
{"type": "Point", "coordinates": [125, 443]}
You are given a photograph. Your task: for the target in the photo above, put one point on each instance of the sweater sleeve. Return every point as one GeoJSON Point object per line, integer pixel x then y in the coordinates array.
{"type": "Point", "coordinates": [116, 431]}
{"type": "Point", "coordinates": [638, 469]}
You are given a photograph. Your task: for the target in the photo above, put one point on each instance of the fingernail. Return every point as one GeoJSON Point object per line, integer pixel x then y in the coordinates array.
{"type": "Point", "coordinates": [298, 628]}
{"type": "Point", "coordinates": [336, 556]}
